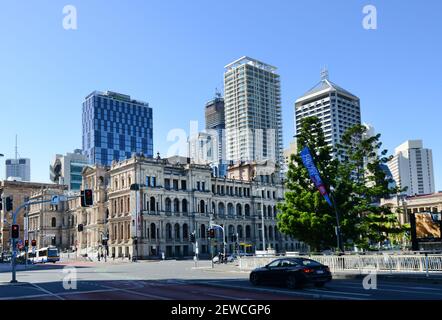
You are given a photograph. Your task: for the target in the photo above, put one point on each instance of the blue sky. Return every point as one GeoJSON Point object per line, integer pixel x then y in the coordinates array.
{"type": "Point", "coordinates": [172, 54]}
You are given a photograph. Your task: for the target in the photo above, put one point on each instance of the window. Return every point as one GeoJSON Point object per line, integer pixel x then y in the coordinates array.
{"type": "Point", "coordinates": [198, 185]}
{"type": "Point", "coordinates": [203, 186]}
{"type": "Point", "coordinates": [167, 183]}
{"type": "Point", "coordinates": [53, 222]}
{"type": "Point", "coordinates": [183, 185]}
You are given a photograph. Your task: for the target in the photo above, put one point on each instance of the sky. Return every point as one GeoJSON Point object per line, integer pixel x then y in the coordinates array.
{"type": "Point", "coordinates": [172, 53]}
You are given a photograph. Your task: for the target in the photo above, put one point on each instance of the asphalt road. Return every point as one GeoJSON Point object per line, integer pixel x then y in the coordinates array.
{"type": "Point", "coordinates": [180, 280]}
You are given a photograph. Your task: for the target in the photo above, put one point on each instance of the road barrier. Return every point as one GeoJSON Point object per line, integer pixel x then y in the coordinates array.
{"type": "Point", "coordinates": [361, 263]}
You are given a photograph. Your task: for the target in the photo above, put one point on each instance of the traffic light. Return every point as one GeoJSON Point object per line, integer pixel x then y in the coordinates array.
{"type": "Point", "coordinates": [80, 228]}
{"type": "Point", "coordinates": [26, 243]}
{"type": "Point", "coordinates": [15, 231]}
{"type": "Point", "coordinates": [34, 243]}
{"type": "Point", "coordinates": [192, 237]}
{"type": "Point", "coordinates": [8, 204]}
{"type": "Point", "coordinates": [86, 198]}
{"type": "Point", "coordinates": [212, 233]}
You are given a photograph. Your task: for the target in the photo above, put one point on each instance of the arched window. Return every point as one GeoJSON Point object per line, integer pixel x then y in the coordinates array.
{"type": "Point", "coordinates": [239, 210]}
{"type": "Point", "coordinates": [203, 231]}
{"type": "Point", "coordinates": [128, 205]}
{"type": "Point", "coordinates": [153, 234]}
{"type": "Point", "coordinates": [248, 232]}
{"type": "Point", "coordinates": [221, 211]}
{"type": "Point", "coordinates": [265, 211]}
{"type": "Point", "coordinates": [231, 231]}
{"type": "Point", "coordinates": [168, 231]}
{"type": "Point", "coordinates": [115, 184]}
{"type": "Point", "coordinates": [270, 211]}
{"type": "Point", "coordinates": [213, 207]}
{"type": "Point", "coordinates": [202, 206]}
{"type": "Point", "coordinates": [184, 205]}
{"type": "Point", "coordinates": [130, 181]}
{"type": "Point", "coordinates": [247, 210]}
{"type": "Point", "coordinates": [176, 205]}
{"type": "Point", "coordinates": [230, 210]}
{"type": "Point", "coordinates": [121, 232]}
{"type": "Point", "coordinates": [128, 232]}
{"type": "Point", "coordinates": [168, 205]}
{"type": "Point", "coordinates": [53, 222]}
{"type": "Point", "coordinates": [115, 233]}
{"type": "Point", "coordinates": [177, 231]}
{"type": "Point", "coordinates": [152, 204]}
{"type": "Point", "coordinates": [239, 231]}
{"type": "Point", "coordinates": [185, 231]}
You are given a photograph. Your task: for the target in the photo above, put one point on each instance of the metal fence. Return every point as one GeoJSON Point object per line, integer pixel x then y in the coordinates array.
{"type": "Point", "coordinates": [361, 263]}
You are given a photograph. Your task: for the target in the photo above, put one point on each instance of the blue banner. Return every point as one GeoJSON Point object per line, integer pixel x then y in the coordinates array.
{"type": "Point", "coordinates": [313, 172]}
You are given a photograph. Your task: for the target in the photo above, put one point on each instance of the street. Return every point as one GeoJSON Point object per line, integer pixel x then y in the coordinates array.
{"type": "Point", "coordinates": [180, 280]}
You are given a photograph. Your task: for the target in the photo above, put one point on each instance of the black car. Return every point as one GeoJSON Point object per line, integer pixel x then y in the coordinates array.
{"type": "Point", "coordinates": [292, 272]}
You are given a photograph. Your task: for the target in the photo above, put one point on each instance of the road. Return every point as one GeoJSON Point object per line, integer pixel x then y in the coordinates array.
{"type": "Point", "coordinates": [180, 280]}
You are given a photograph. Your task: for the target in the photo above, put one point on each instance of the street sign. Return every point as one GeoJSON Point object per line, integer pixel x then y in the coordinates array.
{"type": "Point", "coordinates": [55, 200]}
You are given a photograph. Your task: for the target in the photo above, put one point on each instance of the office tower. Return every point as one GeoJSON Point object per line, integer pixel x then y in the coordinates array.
{"type": "Point", "coordinates": [67, 169]}
{"type": "Point", "coordinates": [337, 109]}
{"type": "Point", "coordinates": [18, 169]}
{"type": "Point", "coordinates": [252, 99]}
{"type": "Point", "coordinates": [412, 167]}
{"type": "Point", "coordinates": [115, 126]}
{"type": "Point", "coordinates": [215, 121]}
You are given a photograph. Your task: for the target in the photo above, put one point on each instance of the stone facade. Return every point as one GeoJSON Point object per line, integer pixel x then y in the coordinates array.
{"type": "Point", "coordinates": [20, 192]}
{"type": "Point", "coordinates": [174, 200]}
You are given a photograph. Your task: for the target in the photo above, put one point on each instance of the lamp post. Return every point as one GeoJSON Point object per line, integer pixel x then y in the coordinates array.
{"type": "Point", "coordinates": [338, 227]}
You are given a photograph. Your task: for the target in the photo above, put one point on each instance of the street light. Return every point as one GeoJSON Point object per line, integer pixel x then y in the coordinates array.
{"type": "Point", "coordinates": [338, 227]}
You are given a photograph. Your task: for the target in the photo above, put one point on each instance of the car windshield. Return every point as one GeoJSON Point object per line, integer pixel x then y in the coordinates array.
{"type": "Point", "coordinates": [52, 252]}
{"type": "Point", "coordinates": [308, 262]}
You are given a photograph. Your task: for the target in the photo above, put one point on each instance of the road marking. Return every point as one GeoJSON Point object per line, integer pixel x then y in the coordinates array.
{"type": "Point", "coordinates": [338, 292]}
{"type": "Point", "coordinates": [293, 293]}
{"type": "Point", "coordinates": [224, 297]}
{"type": "Point", "coordinates": [47, 291]}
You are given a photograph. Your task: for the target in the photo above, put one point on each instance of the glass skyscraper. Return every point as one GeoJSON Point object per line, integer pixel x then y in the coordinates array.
{"type": "Point", "coordinates": [115, 126]}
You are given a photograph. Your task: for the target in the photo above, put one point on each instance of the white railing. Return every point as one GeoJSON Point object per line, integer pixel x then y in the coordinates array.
{"type": "Point", "coordinates": [388, 263]}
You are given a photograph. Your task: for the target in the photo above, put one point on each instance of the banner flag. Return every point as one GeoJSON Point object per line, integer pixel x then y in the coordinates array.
{"type": "Point", "coordinates": [313, 172]}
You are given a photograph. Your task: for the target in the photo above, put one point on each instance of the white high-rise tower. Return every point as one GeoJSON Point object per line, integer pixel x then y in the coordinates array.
{"type": "Point", "coordinates": [252, 100]}
{"type": "Point", "coordinates": [337, 109]}
{"type": "Point", "coordinates": [412, 167]}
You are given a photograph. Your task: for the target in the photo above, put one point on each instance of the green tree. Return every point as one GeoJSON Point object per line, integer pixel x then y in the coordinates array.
{"type": "Point", "coordinates": [361, 167]}
{"type": "Point", "coordinates": [358, 180]}
{"type": "Point", "coordinates": [305, 214]}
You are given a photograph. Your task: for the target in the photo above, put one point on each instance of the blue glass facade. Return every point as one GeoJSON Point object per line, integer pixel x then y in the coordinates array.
{"type": "Point", "coordinates": [115, 127]}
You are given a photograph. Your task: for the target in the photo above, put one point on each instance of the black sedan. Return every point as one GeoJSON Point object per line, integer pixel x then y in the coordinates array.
{"type": "Point", "coordinates": [292, 272]}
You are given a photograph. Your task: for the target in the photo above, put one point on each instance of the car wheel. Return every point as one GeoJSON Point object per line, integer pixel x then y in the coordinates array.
{"type": "Point", "coordinates": [292, 282]}
{"type": "Point", "coordinates": [254, 279]}
{"type": "Point", "coordinates": [319, 284]}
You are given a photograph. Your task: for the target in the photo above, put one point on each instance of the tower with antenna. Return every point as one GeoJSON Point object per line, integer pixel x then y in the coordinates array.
{"type": "Point", "coordinates": [18, 169]}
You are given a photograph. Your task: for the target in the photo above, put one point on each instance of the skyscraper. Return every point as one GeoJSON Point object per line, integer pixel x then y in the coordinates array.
{"type": "Point", "coordinates": [19, 168]}
{"type": "Point", "coordinates": [337, 109]}
{"type": "Point", "coordinates": [215, 120]}
{"type": "Point", "coordinates": [252, 99]}
{"type": "Point", "coordinates": [412, 167]}
{"type": "Point", "coordinates": [115, 126]}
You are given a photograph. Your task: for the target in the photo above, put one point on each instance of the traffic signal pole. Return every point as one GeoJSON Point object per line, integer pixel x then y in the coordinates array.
{"type": "Point", "coordinates": [14, 240]}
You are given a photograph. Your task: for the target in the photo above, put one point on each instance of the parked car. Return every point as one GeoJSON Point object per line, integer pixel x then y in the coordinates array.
{"type": "Point", "coordinates": [292, 272]}
{"type": "Point", "coordinates": [230, 258]}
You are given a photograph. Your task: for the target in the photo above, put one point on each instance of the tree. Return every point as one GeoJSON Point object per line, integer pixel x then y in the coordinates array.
{"type": "Point", "coordinates": [361, 167]}
{"type": "Point", "coordinates": [305, 214]}
{"type": "Point", "coordinates": [358, 180]}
